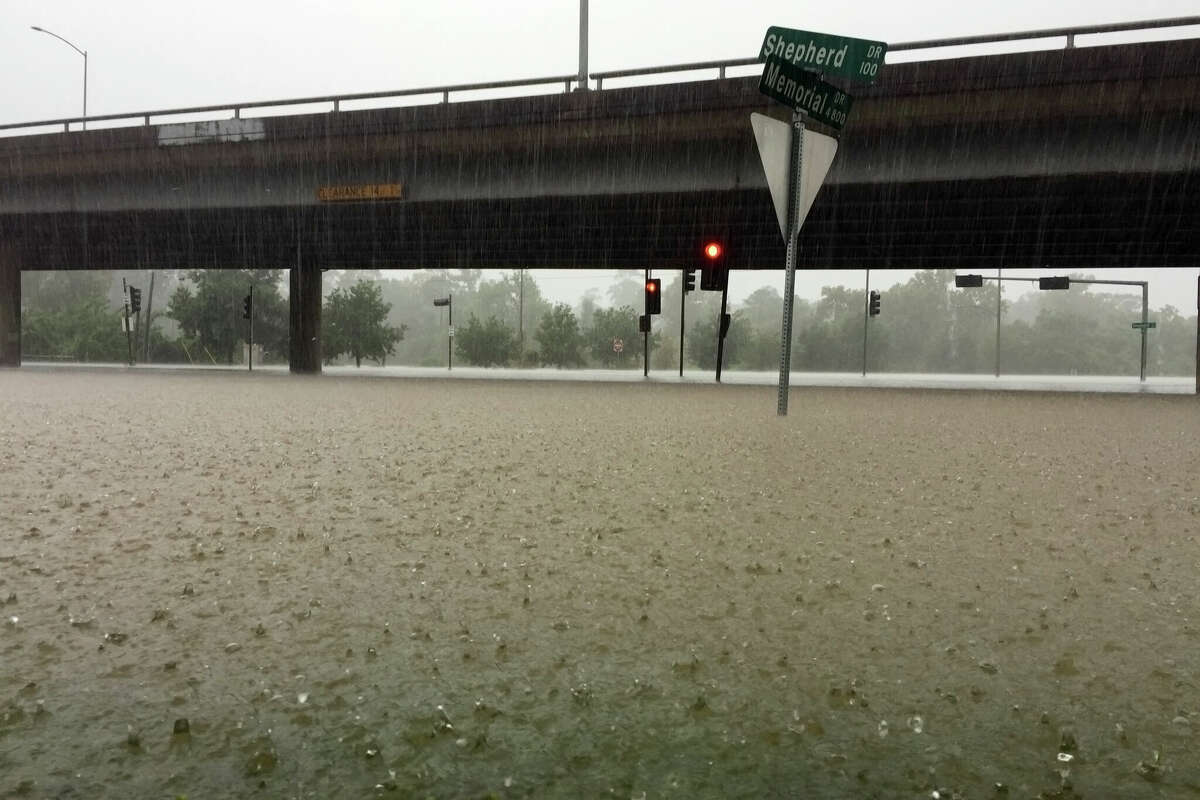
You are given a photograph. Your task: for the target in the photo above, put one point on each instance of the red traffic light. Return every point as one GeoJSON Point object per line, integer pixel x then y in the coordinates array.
{"type": "Point", "coordinates": [712, 250]}
{"type": "Point", "coordinates": [653, 295]}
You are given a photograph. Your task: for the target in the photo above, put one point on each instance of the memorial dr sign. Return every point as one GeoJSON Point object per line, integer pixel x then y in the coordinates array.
{"type": "Point", "coordinates": [804, 91]}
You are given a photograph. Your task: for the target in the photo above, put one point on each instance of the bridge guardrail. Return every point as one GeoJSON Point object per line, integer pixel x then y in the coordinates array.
{"type": "Point", "coordinates": [599, 77]}
{"type": "Point", "coordinates": [929, 44]}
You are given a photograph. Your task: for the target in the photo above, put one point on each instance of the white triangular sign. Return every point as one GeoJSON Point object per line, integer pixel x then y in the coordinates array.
{"type": "Point", "coordinates": [774, 139]}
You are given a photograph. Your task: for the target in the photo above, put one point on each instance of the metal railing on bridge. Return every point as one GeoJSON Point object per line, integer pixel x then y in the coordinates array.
{"type": "Point", "coordinates": [336, 101]}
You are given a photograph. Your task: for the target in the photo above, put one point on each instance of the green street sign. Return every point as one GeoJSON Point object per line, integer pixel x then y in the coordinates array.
{"type": "Point", "coordinates": [804, 91]}
{"type": "Point", "coordinates": [1144, 325]}
{"type": "Point", "coordinates": [857, 59]}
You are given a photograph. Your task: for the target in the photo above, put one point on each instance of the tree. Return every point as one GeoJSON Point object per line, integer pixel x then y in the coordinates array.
{"type": "Point", "coordinates": [57, 291]}
{"type": "Point", "coordinates": [614, 323]}
{"type": "Point", "coordinates": [209, 311]}
{"type": "Point", "coordinates": [85, 330]}
{"type": "Point", "coordinates": [354, 321]}
{"type": "Point", "coordinates": [702, 340]}
{"type": "Point", "coordinates": [558, 337]}
{"type": "Point", "coordinates": [486, 344]}
{"type": "Point", "coordinates": [764, 310]}
{"type": "Point", "coordinates": [629, 290]}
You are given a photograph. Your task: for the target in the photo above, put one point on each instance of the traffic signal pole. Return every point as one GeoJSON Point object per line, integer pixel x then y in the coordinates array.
{"type": "Point", "coordinates": [866, 316]}
{"type": "Point", "coordinates": [722, 328]}
{"type": "Point", "coordinates": [683, 277]}
{"type": "Point", "coordinates": [125, 303]}
{"type": "Point", "coordinates": [646, 334]}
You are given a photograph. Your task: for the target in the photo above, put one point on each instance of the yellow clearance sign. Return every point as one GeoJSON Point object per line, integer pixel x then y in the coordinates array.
{"type": "Point", "coordinates": [365, 191]}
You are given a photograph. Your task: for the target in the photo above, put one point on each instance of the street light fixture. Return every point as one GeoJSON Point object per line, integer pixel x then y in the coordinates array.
{"type": "Point", "coordinates": [82, 53]}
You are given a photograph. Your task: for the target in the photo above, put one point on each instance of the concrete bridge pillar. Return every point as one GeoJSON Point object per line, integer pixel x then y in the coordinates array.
{"type": "Point", "coordinates": [304, 340]}
{"type": "Point", "coordinates": [10, 307]}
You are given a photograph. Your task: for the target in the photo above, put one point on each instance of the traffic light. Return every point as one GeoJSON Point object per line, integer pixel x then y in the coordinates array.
{"type": "Point", "coordinates": [689, 280]}
{"type": "Point", "coordinates": [653, 296]}
{"type": "Point", "coordinates": [873, 305]}
{"type": "Point", "coordinates": [135, 300]}
{"type": "Point", "coordinates": [714, 277]}
{"type": "Point", "coordinates": [247, 306]}
{"type": "Point", "coordinates": [968, 281]}
{"type": "Point", "coordinates": [1057, 282]}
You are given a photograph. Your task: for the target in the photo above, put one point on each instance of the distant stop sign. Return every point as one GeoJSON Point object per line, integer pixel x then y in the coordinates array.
{"type": "Point", "coordinates": [618, 345]}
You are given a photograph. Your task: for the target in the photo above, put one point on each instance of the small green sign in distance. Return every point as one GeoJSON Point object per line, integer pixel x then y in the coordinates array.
{"type": "Point", "coordinates": [804, 91]}
{"type": "Point", "coordinates": [1143, 325]}
{"type": "Point", "coordinates": [857, 59]}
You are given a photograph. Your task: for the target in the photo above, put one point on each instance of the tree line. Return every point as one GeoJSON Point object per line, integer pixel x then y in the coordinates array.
{"type": "Point", "coordinates": [926, 325]}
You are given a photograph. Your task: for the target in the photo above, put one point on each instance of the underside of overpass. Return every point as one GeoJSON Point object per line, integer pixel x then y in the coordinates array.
{"type": "Point", "coordinates": [1127, 221]}
{"type": "Point", "coordinates": [1061, 159]}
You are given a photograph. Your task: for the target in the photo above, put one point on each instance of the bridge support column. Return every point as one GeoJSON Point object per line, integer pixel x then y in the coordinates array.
{"type": "Point", "coordinates": [304, 340]}
{"type": "Point", "coordinates": [10, 308]}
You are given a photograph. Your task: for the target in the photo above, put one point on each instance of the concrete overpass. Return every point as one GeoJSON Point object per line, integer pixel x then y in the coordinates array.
{"type": "Point", "coordinates": [1074, 158]}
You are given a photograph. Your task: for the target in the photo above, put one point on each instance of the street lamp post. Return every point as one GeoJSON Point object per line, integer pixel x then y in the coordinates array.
{"type": "Point", "coordinates": [970, 281]}
{"type": "Point", "coordinates": [448, 303]}
{"type": "Point", "coordinates": [82, 53]}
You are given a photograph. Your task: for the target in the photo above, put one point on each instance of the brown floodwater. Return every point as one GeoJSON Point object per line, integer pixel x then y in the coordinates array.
{"type": "Point", "coordinates": [222, 585]}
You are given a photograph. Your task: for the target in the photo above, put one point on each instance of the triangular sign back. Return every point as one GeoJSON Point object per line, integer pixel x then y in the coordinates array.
{"type": "Point", "coordinates": [774, 139]}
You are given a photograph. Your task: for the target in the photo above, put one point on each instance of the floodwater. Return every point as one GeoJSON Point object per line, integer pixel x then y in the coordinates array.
{"type": "Point", "coordinates": [225, 585]}
{"type": "Point", "coordinates": [1128, 384]}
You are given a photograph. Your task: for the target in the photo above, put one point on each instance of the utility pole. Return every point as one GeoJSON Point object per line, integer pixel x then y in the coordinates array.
{"type": "Point", "coordinates": [1198, 335]}
{"type": "Point", "coordinates": [521, 313]}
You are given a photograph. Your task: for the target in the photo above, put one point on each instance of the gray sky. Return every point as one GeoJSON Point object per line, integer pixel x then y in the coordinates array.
{"type": "Point", "coordinates": [146, 55]}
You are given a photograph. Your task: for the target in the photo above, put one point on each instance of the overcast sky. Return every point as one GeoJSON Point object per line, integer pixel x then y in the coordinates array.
{"type": "Point", "coordinates": [146, 55]}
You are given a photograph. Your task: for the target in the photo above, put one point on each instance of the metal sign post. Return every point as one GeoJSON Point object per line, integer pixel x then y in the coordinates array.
{"type": "Point", "coordinates": [793, 236]}
{"type": "Point", "coordinates": [795, 62]}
